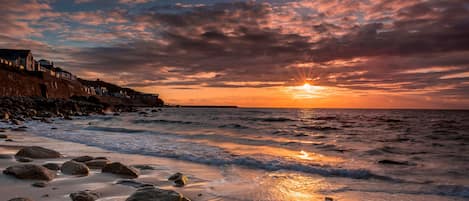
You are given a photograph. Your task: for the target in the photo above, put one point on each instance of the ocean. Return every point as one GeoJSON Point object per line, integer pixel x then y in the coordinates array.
{"type": "Point", "coordinates": [297, 154]}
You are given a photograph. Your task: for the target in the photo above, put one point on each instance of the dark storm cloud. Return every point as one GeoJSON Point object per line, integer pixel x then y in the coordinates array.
{"type": "Point", "coordinates": [396, 45]}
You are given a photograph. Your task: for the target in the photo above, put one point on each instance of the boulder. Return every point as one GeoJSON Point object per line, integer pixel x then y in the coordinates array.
{"type": "Point", "coordinates": [3, 136]}
{"type": "Point", "coordinates": [97, 164]}
{"type": "Point", "coordinates": [20, 199]}
{"type": "Point", "coordinates": [30, 171]}
{"type": "Point", "coordinates": [150, 193]}
{"type": "Point", "coordinates": [52, 166]}
{"type": "Point", "coordinates": [83, 159]}
{"type": "Point", "coordinates": [74, 168]}
{"type": "Point", "coordinates": [120, 169]}
{"type": "Point", "coordinates": [37, 152]}
{"type": "Point", "coordinates": [85, 195]}
{"type": "Point", "coordinates": [24, 159]}
{"type": "Point", "coordinates": [179, 179]}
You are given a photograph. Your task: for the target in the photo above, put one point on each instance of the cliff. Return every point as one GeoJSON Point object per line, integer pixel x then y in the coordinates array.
{"type": "Point", "coordinates": [18, 83]}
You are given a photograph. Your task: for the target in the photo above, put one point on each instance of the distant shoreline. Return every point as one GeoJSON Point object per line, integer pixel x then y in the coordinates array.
{"type": "Point", "coordinates": [206, 106]}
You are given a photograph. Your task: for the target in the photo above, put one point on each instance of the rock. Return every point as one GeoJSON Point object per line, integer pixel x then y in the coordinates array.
{"type": "Point", "coordinates": [52, 166]}
{"type": "Point", "coordinates": [5, 116]}
{"type": "Point", "coordinates": [133, 183]}
{"type": "Point", "coordinates": [142, 113]}
{"type": "Point", "coordinates": [83, 159]}
{"type": "Point", "coordinates": [30, 171]}
{"type": "Point", "coordinates": [116, 114]}
{"type": "Point", "coordinates": [97, 164]}
{"type": "Point", "coordinates": [100, 158]}
{"type": "Point", "coordinates": [16, 122]}
{"type": "Point", "coordinates": [20, 199]}
{"type": "Point", "coordinates": [328, 199]}
{"type": "Point", "coordinates": [154, 110]}
{"type": "Point", "coordinates": [5, 156]}
{"type": "Point", "coordinates": [179, 179]}
{"type": "Point", "coordinates": [74, 168]}
{"type": "Point", "coordinates": [39, 184]}
{"type": "Point", "coordinates": [37, 152]}
{"type": "Point", "coordinates": [3, 136]}
{"type": "Point", "coordinates": [144, 167]}
{"type": "Point", "coordinates": [20, 129]}
{"type": "Point", "coordinates": [155, 194]}
{"type": "Point", "coordinates": [2, 130]}
{"type": "Point", "coordinates": [86, 195]}
{"type": "Point", "coordinates": [121, 169]}
{"type": "Point", "coordinates": [9, 140]}
{"type": "Point", "coordinates": [391, 162]}
{"type": "Point", "coordinates": [24, 159]}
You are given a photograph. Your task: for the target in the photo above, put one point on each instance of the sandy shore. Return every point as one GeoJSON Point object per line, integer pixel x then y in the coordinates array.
{"type": "Point", "coordinates": [103, 183]}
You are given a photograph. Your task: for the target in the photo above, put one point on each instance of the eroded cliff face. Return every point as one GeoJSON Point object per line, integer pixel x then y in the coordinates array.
{"type": "Point", "coordinates": [15, 82]}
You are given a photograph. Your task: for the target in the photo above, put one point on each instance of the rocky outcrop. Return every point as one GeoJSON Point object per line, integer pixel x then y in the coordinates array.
{"type": "Point", "coordinates": [97, 163]}
{"type": "Point", "coordinates": [155, 194]}
{"type": "Point", "coordinates": [83, 159]}
{"type": "Point", "coordinates": [120, 169]}
{"type": "Point", "coordinates": [37, 152]}
{"type": "Point", "coordinates": [179, 179]}
{"type": "Point", "coordinates": [86, 195]}
{"type": "Point", "coordinates": [74, 168]}
{"type": "Point", "coordinates": [30, 171]}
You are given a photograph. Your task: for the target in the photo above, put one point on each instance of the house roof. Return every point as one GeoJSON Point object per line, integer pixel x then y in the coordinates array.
{"type": "Point", "coordinates": [13, 54]}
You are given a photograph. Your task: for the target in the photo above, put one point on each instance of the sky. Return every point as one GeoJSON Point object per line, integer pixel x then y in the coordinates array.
{"type": "Point", "coordinates": [277, 53]}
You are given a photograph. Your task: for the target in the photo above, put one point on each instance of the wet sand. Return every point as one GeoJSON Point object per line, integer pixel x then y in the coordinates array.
{"type": "Point", "coordinates": [103, 183]}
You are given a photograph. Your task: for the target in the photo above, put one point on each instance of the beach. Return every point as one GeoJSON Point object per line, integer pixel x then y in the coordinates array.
{"type": "Point", "coordinates": [225, 157]}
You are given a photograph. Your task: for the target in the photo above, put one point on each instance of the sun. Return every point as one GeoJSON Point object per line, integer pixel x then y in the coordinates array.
{"type": "Point", "coordinates": [307, 87]}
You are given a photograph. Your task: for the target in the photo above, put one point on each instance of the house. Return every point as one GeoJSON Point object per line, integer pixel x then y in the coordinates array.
{"type": "Point", "coordinates": [47, 67]}
{"type": "Point", "coordinates": [21, 58]}
{"type": "Point", "coordinates": [63, 74]}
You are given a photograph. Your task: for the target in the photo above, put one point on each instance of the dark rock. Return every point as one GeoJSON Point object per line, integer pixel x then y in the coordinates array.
{"type": "Point", "coordinates": [24, 159]}
{"type": "Point", "coordinates": [30, 171]}
{"type": "Point", "coordinates": [179, 179]}
{"type": "Point", "coordinates": [144, 167]}
{"type": "Point", "coordinates": [328, 199]}
{"type": "Point", "coordinates": [20, 129]}
{"type": "Point", "coordinates": [83, 159]}
{"type": "Point", "coordinates": [86, 195]}
{"type": "Point", "coordinates": [16, 122]}
{"type": "Point", "coordinates": [391, 162]}
{"type": "Point", "coordinates": [9, 140]}
{"type": "Point", "coordinates": [52, 166]}
{"type": "Point", "coordinates": [39, 184]}
{"type": "Point", "coordinates": [155, 194]}
{"type": "Point", "coordinates": [3, 136]}
{"type": "Point", "coordinates": [133, 183]}
{"type": "Point", "coordinates": [120, 169]}
{"type": "Point", "coordinates": [20, 199]}
{"type": "Point", "coordinates": [97, 163]}
{"type": "Point", "coordinates": [100, 158]}
{"type": "Point", "coordinates": [142, 113]}
{"type": "Point", "coordinates": [74, 168]}
{"type": "Point", "coordinates": [2, 130]}
{"type": "Point", "coordinates": [37, 152]}
{"type": "Point", "coordinates": [116, 114]}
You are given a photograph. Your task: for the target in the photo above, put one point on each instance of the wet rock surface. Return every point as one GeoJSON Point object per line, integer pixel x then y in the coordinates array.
{"type": "Point", "coordinates": [30, 171]}
{"type": "Point", "coordinates": [150, 193]}
{"type": "Point", "coordinates": [37, 152]}
{"type": "Point", "coordinates": [120, 169]}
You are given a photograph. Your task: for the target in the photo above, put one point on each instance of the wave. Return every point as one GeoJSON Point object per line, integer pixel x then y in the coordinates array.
{"type": "Point", "coordinates": [111, 129]}
{"type": "Point", "coordinates": [236, 126]}
{"type": "Point", "coordinates": [267, 119]}
{"type": "Point", "coordinates": [318, 128]}
{"type": "Point", "coordinates": [162, 121]}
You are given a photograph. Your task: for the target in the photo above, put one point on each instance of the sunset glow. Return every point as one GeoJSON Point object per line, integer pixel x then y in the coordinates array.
{"type": "Point", "coordinates": [373, 54]}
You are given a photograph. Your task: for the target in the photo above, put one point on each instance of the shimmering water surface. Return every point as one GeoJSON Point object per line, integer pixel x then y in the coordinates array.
{"type": "Point", "coordinates": [298, 154]}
